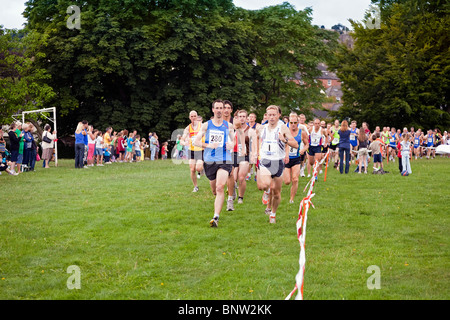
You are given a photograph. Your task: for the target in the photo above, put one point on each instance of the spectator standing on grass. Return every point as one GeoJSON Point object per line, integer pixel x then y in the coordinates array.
{"type": "Point", "coordinates": [137, 148]}
{"type": "Point", "coordinates": [28, 138]}
{"type": "Point", "coordinates": [164, 150]}
{"type": "Point", "coordinates": [120, 147]}
{"type": "Point", "coordinates": [363, 143]}
{"type": "Point", "coordinates": [92, 136]}
{"type": "Point", "coordinates": [21, 145]}
{"type": "Point", "coordinates": [99, 149]}
{"type": "Point", "coordinates": [14, 145]}
{"type": "Point", "coordinates": [179, 147]}
{"type": "Point", "coordinates": [80, 136]}
{"type": "Point", "coordinates": [153, 143]}
{"type": "Point", "coordinates": [2, 143]}
{"type": "Point", "coordinates": [344, 147]}
{"type": "Point", "coordinates": [47, 147]}
{"type": "Point", "coordinates": [157, 147]}
{"type": "Point", "coordinates": [399, 156]}
{"type": "Point", "coordinates": [405, 153]}
{"type": "Point", "coordinates": [375, 147]}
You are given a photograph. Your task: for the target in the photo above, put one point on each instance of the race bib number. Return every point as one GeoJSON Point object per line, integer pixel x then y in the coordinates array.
{"type": "Point", "coordinates": [217, 136]}
{"type": "Point", "coordinates": [315, 140]}
{"type": "Point", "coordinates": [352, 137]}
{"type": "Point", "coordinates": [293, 152]}
{"type": "Point", "coordinates": [269, 147]}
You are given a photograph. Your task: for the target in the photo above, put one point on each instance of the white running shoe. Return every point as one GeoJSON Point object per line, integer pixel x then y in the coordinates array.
{"type": "Point", "coordinates": [195, 189]}
{"type": "Point", "coordinates": [240, 200]}
{"type": "Point", "coordinates": [230, 205]}
{"type": "Point", "coordinates": [272, 219]}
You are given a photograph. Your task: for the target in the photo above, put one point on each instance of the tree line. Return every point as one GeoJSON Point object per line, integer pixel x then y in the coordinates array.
{"type": "Point", "coordinates": [144, 64]}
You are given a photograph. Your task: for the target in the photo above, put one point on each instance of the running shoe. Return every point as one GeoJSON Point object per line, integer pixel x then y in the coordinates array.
{"type": "Point", "coordinates": [265, 197]}
{"type": "Point", "coordinates": [272, 219]}
{"type": "Point", "coordinates": [240, 201]}
{"type": "Point", "coordinates": [291, 201]}
{"type": "Point", "coordinates": [230, 205]}
{"type": "Point", "coordinates": [198, 176]}
{"type": "Point", "coordinates": [267, 211]}
{"type": "Point", "coordinates": [195, 189]}
{"type": "Point", "coordinates": [214, 223]}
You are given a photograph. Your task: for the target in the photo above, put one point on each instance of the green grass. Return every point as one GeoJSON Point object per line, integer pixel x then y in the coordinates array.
{"type": "Point", "coordinates": [138, 232]}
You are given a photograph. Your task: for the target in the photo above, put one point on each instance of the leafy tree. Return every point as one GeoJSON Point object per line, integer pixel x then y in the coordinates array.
{"type": "Point", "coordinates": [144, 64]}
{"type": "Point", "coordinates": [398, 75]}
{"type": "Point", "coordinates": [22, 84]}
{"type": "Point", "coordinates": [288, 46]}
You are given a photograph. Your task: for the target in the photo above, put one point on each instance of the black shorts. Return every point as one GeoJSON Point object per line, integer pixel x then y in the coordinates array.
{"type": "Point", "coordinates": [211, 169]}
{"type": "Point", "coordinates": [14, 155]}
{"type": "Point", "coordinates": [314, 149]}
{"type": "Point", "coordinates": [333, 147]}
{"type": "Point", "coordinates": [324, 149]}
{"type": "Point", "coordinates": [275, 167]}
{"type": "Point", "coordinates": [294, 161]}
{"type": "Point", "coordinates": [196, 155]}
{"type": "Point", "coordinates": [238, 159]}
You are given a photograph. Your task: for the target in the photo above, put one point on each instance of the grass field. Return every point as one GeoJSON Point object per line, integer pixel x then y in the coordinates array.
{"type": "Point", "coordinates": [136, 231]}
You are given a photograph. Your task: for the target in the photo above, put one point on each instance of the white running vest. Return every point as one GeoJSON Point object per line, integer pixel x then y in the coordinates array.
{"type": "Point", "coordinates": [315, 137]}
{"type": "Point", "coordinates": [271, 147]}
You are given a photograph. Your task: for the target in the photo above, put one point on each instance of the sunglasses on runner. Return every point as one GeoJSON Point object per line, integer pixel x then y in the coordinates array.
{"type": "Point", "coordinates": [293, 122]}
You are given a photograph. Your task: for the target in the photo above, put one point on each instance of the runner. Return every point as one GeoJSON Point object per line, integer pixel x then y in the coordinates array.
{"type": "Point", "coordinates": [353, 139]}
{"type": "Point", "coordinates": [219, 140]}
{"type": "Point", "coordinates": [241, 155]}
{"type": "Point", "coordinates": [417, 144]}
{"type": "Point", "coordinates": [334, 143]}
{"type": "Point", "coordinates": [195, 154]}
{"type": "Point", "coordinates": [296, 155]}
{"type": "Point", "coordinates": [392, 148]}
{"type": "Point", "coordinates": [274, 136]}
{"type": "Point", "coordinates": [303, 127]}
{"type": "Point", "coordinates": [231, 185]}
{"type": "Point", "coordinates": [316, 141]}
{"type": "Point", "coordinates": [252, 124]}
{"type": "Point", "coordinates": [430, 139]}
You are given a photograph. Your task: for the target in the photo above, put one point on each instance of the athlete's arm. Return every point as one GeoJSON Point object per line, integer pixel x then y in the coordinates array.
{"type": "Point", "coordinates": [232, 137]}
{"type": "Point", "coordinates": [184, 141]}
{"type": "Point", "coordinates": [286, 137]}
{"type": "Point", "coordinates": [253, 138]}
{"type": "Point", "coordinates": [198, 140]}
{"type": "Point", "coordinates": [305, 140]}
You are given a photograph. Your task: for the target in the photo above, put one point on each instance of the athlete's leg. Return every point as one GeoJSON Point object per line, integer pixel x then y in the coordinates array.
{"type": "Point", "coordinates": [287, 176]}
{"type": "Point", "coordinates": [242, 174]}
{"type": "Point", "coordinates": [221, 181]}
{"type": "Point", "coordinates": [277, 184]}
{"type": "Point", "coordinates": [295, 170]}
{"type": "Point", "coordinates": [192, 169]}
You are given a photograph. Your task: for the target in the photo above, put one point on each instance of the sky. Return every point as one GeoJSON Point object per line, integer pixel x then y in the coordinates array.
{"type": "Point", "coordinates": [325, 12]}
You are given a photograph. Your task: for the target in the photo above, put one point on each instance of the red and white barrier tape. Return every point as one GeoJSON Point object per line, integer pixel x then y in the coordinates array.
{"type": "Point", "coordinates": [301, 232]}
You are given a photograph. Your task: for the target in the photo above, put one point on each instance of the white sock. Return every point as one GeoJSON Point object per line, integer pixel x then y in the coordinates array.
{"type": "Point", "coordinates": [230, 198]}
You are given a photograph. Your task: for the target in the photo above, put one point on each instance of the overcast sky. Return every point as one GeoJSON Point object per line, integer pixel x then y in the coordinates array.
{"type": "Point", "coordinates": [325, 12]}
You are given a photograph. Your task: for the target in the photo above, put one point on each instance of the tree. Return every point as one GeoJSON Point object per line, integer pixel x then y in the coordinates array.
{"type": "Point", "coordinates": [22, 84]}
{"type": "Point", "coordinates": [288, 45]}
{"type": "Point", "coordinates": [144, 64]}
{"type": "Point", "coordinates": [398, 75]}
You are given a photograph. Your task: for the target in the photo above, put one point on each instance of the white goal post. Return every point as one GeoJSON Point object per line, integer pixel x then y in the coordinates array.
{"type": "Point", "coordinates": [53, 110]}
